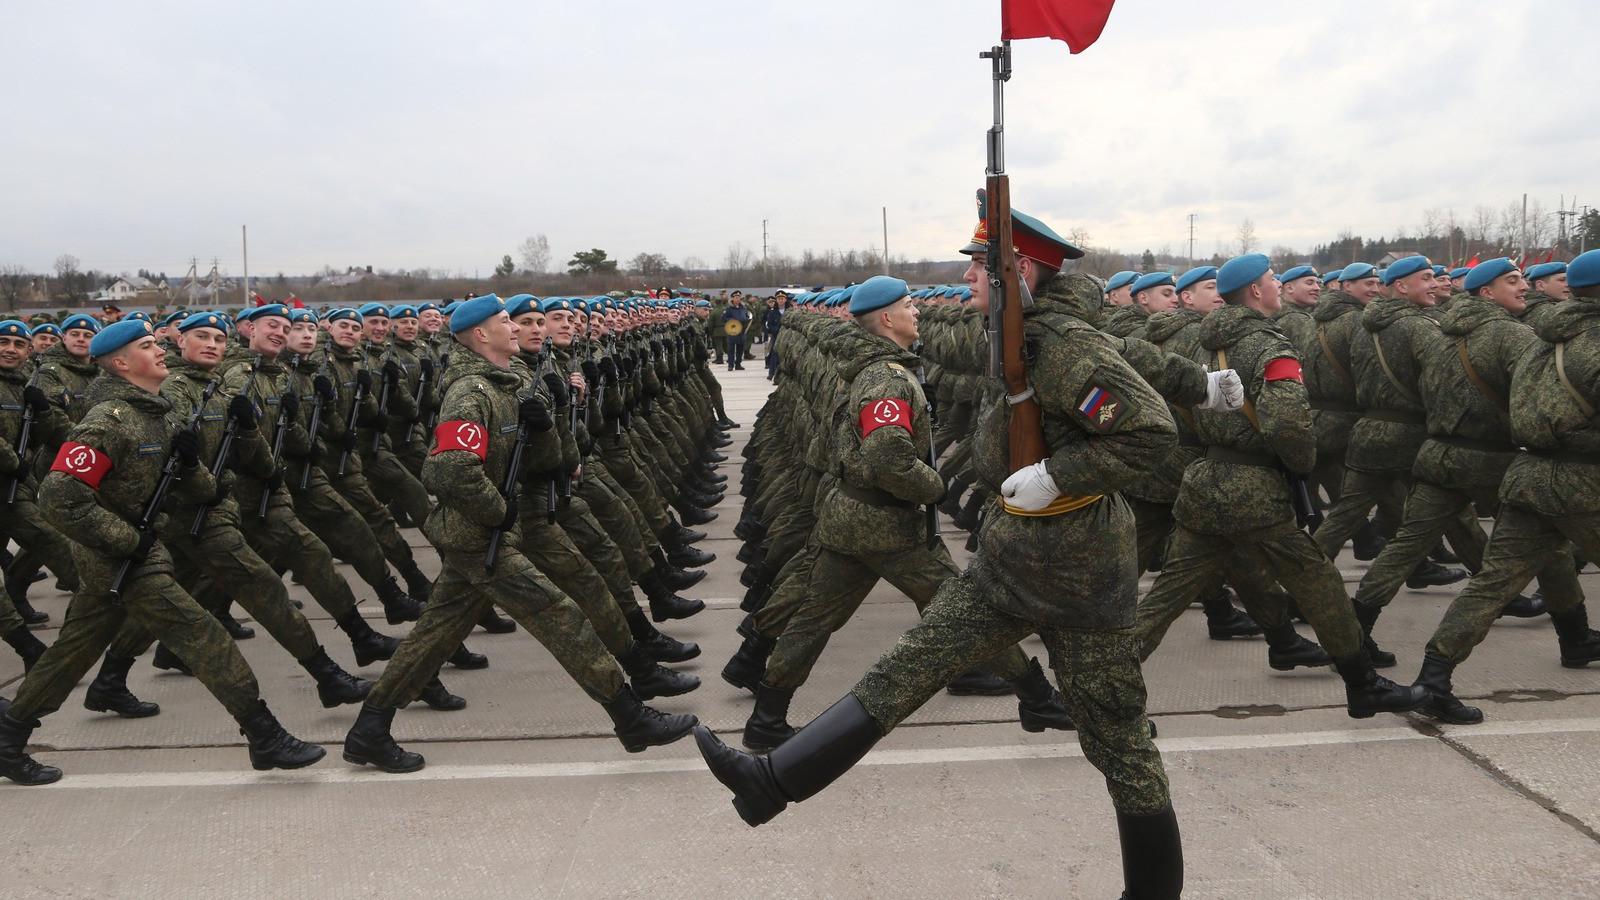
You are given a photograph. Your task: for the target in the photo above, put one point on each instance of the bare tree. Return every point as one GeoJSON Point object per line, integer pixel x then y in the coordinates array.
{"type": "Point", "coordinates": [1541, 230]}
{"type": "Point", "coordinates": [12, 280]}
{"type": "Point", "coordinates": [535, 253]}
{"type": "Point", "coordinates": [1481, 224]}
{"type": "Point", "coordinates": [1433, 223]}
{"type": "Point", "coordinates": [738, 259]}
{"type": "Point", "coordinates": [649, 264]}
{"type": "Point", "coordinates": [1247, 236]}
{"type": "Point", "coordinates": [693, 264]}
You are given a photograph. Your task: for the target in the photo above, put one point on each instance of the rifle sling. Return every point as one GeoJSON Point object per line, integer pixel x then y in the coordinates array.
{"type": "Point", "coordinates": [1496, 402]}
{"type": "Point", "coordinates": [1561, 372]}
{"type": "Point", "coordinates": [1383, 363]}
{"type": "Point", "coordinates": [1333, 361]}
{"type": "Point", "coordinates": [1249, 408]}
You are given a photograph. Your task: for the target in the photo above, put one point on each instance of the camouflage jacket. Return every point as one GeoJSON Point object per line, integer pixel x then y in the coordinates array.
{"type": "Point", "coordinates": [45, 432]}
{"type": "Point", "coordinates": [1123, 320]}
{"type": "Point", "coordinates": [1241, 487]}
{"type": "Point", "coordinates": [126, 428]}
{"type": "Point", "coordinates": [1104, 428]}
{"type": "Point", "coordinates": [548, 455]}
{"type": "Point", "coordinates": [405, 417]}
{"type": "Point", "coordinates": [268, 381]}
{"type": "Point", "coordinates": [1559, 475]}
{"type": "Point", "coordinates": [184, 390]}
{"type": "Point", "coordinates": [1538, 308]}
{"type": "Point", "coordinates": [343, 368]}
{"type": "Point", "coordinates": [1172, 338]}
{"type": "Point", "coordinates": [64, 378]}
{"type": "Point", "coordinates": [1393, 420]}
{"type": "Point", "coordinates": [1329, 378]}
{"type": "Point", "coordinates": [401, 405]}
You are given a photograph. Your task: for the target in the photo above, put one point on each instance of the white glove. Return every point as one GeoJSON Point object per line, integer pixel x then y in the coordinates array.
{"type": "Point", "coordinates": [1224, 391]}
{"type": "Point", "coordinates": [1030, 488]}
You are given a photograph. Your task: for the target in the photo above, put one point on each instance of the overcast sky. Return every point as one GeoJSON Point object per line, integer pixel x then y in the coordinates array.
{"type": "Point", "coordinates": [409, 134]}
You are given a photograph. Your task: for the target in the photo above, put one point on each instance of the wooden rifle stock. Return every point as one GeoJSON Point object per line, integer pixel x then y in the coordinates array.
{"type": "Point", "coordinates": [1025, 434]}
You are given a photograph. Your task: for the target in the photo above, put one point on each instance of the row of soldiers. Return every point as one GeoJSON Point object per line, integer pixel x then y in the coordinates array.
{"type": "Point", "coordinates": [1193, 417]}
{"type": "Point", "coordinates": [165, 473]}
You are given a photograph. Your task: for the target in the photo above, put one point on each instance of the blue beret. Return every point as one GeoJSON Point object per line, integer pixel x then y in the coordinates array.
{"type": "Point", "coordinates": [403, 311]}
{"type": "Point", "coordinates": [373, 309]}
{"type": "Point", "coordinates": [1487, 271]}
{"type": "Point", "coordinates": [1241, 271]}
{"type": "Point", "coordinates": [301, 315]}
{"type": "Point", "coordinates": [845, 295]}
{"type": "Point", "coordinates": [1298, 272]}
{"type": "Point", "coordinates": [1584, 271]}
{"type": "Point", "coordinates": [47, 328]}
{"type": "Point", "coordinates": [426, 305]}
{"type": "Point", "coordinates": [172, 317]}
{"type": "Point", "coordinates": [598, 304]}
{"type": "Point", "coordinates": [1154, 279]}
{"type": "Point", "coordinates": [1459, 272]}
{"type": "Point", "coordinates": [139, 316]}
{"type": "Point", "coordinates": [86, 322]}
{"type": "Point", "coordinates": [1439, 270]}
{"type": "Point", "coordinates": [343, 312]}
{"type": "Point", "coordinates": [114, 337]}
{"type": "Point", "coordinates": [521, 304]}
{"type": "Point", "coordinates": [963, 294]}
{"type": "Point", "coordinates": [1196, 275]}
{"type": "Point", "coordinates": [551, 304]}
{"type": "Point", "coordinates": [1545, 270]}
{"type": "Point", "coordinates": [1405, 267]}
{"type": "Point", "coordinates": [475, 311]}
{"type": "Point", "coordinates": [1121, 279]}
{"type": "Point", "coordinates": [270, 310]}
{"type": "Point", "coordinates": [13, 328]}
{"type": "Point", "coordinates": [1357, 271]}
{"type": "Point", "coordinates": [702, 304]}
{"type": "Point", "coordinates": [876, 293]}
{"type": "Point", "coordinates": [246, 314]}
{"type": "Point", "coordinates": [205, 320]}
{"type": "Point", "coordinates": [451, 307]}
{"type": "Point", "coordinates": [1332, 277]}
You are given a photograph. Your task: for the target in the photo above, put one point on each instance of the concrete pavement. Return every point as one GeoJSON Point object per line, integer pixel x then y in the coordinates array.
{"type": "Point", "coordinates": [526, 793]}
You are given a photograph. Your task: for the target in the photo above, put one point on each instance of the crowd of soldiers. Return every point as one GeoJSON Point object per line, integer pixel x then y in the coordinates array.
{"type": "Point", "coordinates": [555, 452]}
{"type": "Point", "coordinates": [1230, 427]}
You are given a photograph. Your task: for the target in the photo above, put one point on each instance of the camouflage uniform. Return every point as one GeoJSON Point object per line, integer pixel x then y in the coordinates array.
{"type": "Point", "coordinates": [1122, 321]}
{"type": "Point", "coordinates": [21, 521]}
{"type": "Point", "coordinates": [406, 436]}
{"type": "Point", "coordinates": [389, 479]}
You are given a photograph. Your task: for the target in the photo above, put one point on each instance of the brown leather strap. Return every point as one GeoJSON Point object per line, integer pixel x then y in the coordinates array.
{"type": "Point", "coordinates": [1383, 363]}
{"type": "Point", "coordinates": [1561, 372]}
{"type": "Point", "coordinates": [1249, 409]}
{"type": "Point", "coordinates": [1497, 402]}
{"type": "Point", "coordinates": [1333, 361]}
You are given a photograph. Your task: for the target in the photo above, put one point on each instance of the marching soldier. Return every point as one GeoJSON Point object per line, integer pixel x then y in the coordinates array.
{"type": "Point", "coordinates": [21, 521]}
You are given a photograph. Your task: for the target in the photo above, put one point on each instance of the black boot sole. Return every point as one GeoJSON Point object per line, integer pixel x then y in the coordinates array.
{"type": "Point", "coordinates": [322, 754]}
{"type": "Point", "coordinates": [637, 746]}
{"type": "Point", "coordinates": [763, 741]}
{"type": "Point", "coordinates": [358, 760]}
{"type": "Point", "coordinates": [106, 707]}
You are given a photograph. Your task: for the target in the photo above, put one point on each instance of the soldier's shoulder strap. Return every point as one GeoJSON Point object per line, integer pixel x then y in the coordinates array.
{"type": "Point", "coordinates": [1333, 360]}
{"type": "Point", "coordinates": [1496, 401]}
{"type": "Point", "coordinates": [1383, 363]}
{"type": "Point", "coordinates": [1572, 390]}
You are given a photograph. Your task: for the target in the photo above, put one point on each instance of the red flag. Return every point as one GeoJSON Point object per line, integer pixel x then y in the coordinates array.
{"type": "Point", "coordinates": [1473, 261]}
{"type": "Point", "coordinates": [1550, 257]}
{"type": "Point", "coordinates": [1078, 22]}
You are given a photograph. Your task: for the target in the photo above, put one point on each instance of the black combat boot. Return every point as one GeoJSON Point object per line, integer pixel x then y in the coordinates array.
{"type": "Point", "coordinates": [694, 515]}
{"type": "Point", "coordinates": [713, 457]}
{"type": "Point", "coordinates": [335, 686]}
{"type": "Point", "coordinates": [749, 553]}
{"type": "Point", "coordinates": [651, 679]}
{"type": "Point", "coordinates": [1224, 621]}
{"type": "Point", "coordinates": [1442, 555]}
{"type": "Point", "coordinates": [690, 557]}
{"type": "Point", "coordinates": [466, 659]}
{"type": "Point", "coordinates": [1580, 644]}
{"type": "Point", "coordinates": [639, 726]}
{"type": "Point", "coordinates": [273, 748]}
{"type": "Point", "coordinates": [703, 499]}
{"type": "Point", "coordinates": [369, 645]}
{"type": "Point", "coordinates": [951, 504]}
{"type": "Point", "coordinates": [677, 535]}
{"type": "Point", "coordinates": [754, 574]}
{"type": "Point", "coordinates": [1152, 855]}
{"type": "Point", "coordinates": [27, 646]}
{"type": "Point", "coordinates": [756, 596]}
{"type": "Point", "coordinates": [1366, 693]}
{"type": "Point", "coordinates": [438, 697]}
{"type": "Point", "coordinates": [768, 725]}
{"type": "Point", "coordinates": [167, 660]}
{"type": "Point", "coordinates": [726, 423]}
{"type": "Point", "coordinates": [1287, 650]}
{"type": "Point", "coordinates": [665, 605]}
{"type": "Point", "coordinates": [673, 578]}
{"type": "Point", "coordinates": [398, 606]}
{"type": "Point", "coordinates": [15, 763]}
{"type": "Point", "coordinates": [235, 629]}
{"type": "Point", "coordinates": [1039, 704]}
{"type": "Point", "coordinates": [796, 771]}
{"type": "Point", "coordinates": [1367, 542]}
{"type": "Point", "coordinates": [1525, 607]}
{"type": "Point", "coordinates": [109, 691]}
{"type": "Point", "coordinates": [369, 743]}
{"type": "Point", "coordinates": [1442, 703]}
{"type": "Point", "coordinates": [660, 647]}
{"type": "Point", "coordinates": [1367, 615]}
{"type": "Point", "coordinates": [967, 518]}
{"type": "Point", "coordinates": [749, 663]}
{"type": "Point", "coordinates": [1430, 574]}
{"type": "Point", "coordinates": [418, 585]}
{"type": "Point", "coordinates": [17, 583]}
{"type": "Point", "coordinates": [978, 683]}
{"type": "Point", "coordinates": [494, 623]}
{"type": "Point", "coordinates": [749, 528]}
{"type": "Point", "coordinates": [707, 475]}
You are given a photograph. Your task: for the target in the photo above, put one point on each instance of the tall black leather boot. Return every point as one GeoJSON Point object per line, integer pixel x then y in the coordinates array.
{"type": "Point", "coordinates": [398, 606]}
{"type": "Point", "coordinates": [1224, 621]}
{"type": "Point", "coordinates": [660, 647]}
{"type": "Point", "coordinates": [335, 686]}
{"type": "Point", "coordinates": [1366, 693]}
{"type": "Point", "coordinates": [28, 647]}
{"type": "Point", "coordinates": [1580, 644]}
{"type": "Point", "coordinates": [15, 763]}
{"type": "Point", "coordinates": [1152, 856]}
{"type": "Point", "coordinates": [369, 645]}
{"type": "Point", "coordinates": [369, 743]}
{"type": "Point", "coordinates": [418, 585]}
{"type": "Point", "coordinates": [768, 725]}
{"type": "Point", "coordinates": [639, 726]}
{"type": "Point", "coordinates": [1039, 704]}
{"type": "Point", "coordinates": [273, 748]}
{"type": "Point", "coordinates": [798, 769]}
{"type": "Point", "coordinates": [1442, 703]}
{"type": "Point", "coordinates": [109, 691]}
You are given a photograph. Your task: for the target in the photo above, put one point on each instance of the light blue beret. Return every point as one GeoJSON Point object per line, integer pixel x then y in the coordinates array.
{"type": "Point", "coordinates": [114, 337]}
{"type": "Point", "coordinates": [86, 322]}
{"type": "Point", "coordinates": [451, 307]}
{"type": "Point", "coordinates": [426, 305]}
{"type": "Point", "coordinates": [1196, 275]}
{"type": "Point", "coordinates": [270, 310]}
{"type": "Point", "coordinates": [1358, 271]}
{"type": "Point", "coordinates": [1241, 271]}
{"type": "Point", "coordinates": [172, 318]}
{"type": "Point", "coordinates": [1545, 270]}
{"type": "Point", "coordinates": [844, 296]}
{"type": "Point", "coordinates": [475, 311]}
{"type": "Point", "coordinates": [139, 316]}
{"type": "Point", "coordinates": [1121, 279]}
{"type": "Point", "coordinates": [205, 320]}
{"type": "Point", "coordinates": [1584, 271]}
{"type": "Point", "coordinates": [702, 303]}
{"type": "Point", "coordinates": [1460, 272]}
{"type": "Point", "coordinates": [343, 312]}
{"type": "Point", "coordinates": [302, 315]}
{"type": "Point", "coordinates": [13, 328]}
{"type": "Point", "coordinates": [246, 314]}
{"type": "Point", "coordinates": [1298, 272]}
{"type": "Point", "coordinates": [1407, 266]}
{"type": "Point", "coordinates": [1487, 271]}
{"type": "Point", "coordinates": [1331, 277]}
{"type": "Point", "coordinates": [963, 294]}
{"type": "Point", "coordinates": [551, 304]}
{"type": "Point", "coordinates": [1439, 270]}
{"type": "Point", "coordinates": [373, 309]}
{"type": "Point", "coordinates": [876, 293]}
{"type": "Point", "coordinates": [1154, 279]}
{"type": "Point", "coordinates": [47, 328]}
{"type": "Point", "coordinates": [403, 311]}
{"type": "Point", "coordinates": [521, 304]}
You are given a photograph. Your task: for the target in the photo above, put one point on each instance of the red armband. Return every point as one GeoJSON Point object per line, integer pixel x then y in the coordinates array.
{"type": "Point", "coordinates": [82, 462]}
{"type": "Point", "coordinates": [1284, 368]}
{"type": "Point", "coordinates": [880, 413]}
{"type": "Point", "coordinates": [460, 435]}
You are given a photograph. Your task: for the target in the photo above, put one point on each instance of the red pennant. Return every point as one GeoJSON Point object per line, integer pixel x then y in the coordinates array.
{"type": "Point", "coordinates": [1473, 261]}
{"type": "Point", "coordinates": [82, 462]}
{"type": "Point", "coordinates": [460, 434]}
{"type": "Point", "coordinates": [1078, 22]}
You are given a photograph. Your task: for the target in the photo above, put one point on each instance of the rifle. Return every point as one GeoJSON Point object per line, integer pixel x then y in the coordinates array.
{"type": "Point", "coordinates": [24, 437]}
{"type": "Point", "coordinates": [550, 485]}
{"type": "Point", "coordinates": [1306, 514]}
{"type": "Point", "coordinates": [422, 388]}
{"type": "Point", "coordinates": [508, 490]}
{"type": "Point", "coordinates": [383, 396]}
{"type": "Point", "coordinates": [279, 432]}
{"type": "Point", "coordinates": [152, 508]}
{"type": "Point", "coordinates": [1007, 297]}
{"type": "Point", "coordinates": [313, 426]}
{"type": "Point", "coordinates": [357, 395]}
{"type": "Point", "coordinates": [220, 461]}
{"type": "Point", "coordinates": [931, 512]}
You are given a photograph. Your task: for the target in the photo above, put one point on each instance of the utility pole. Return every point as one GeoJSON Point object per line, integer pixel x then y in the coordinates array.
{"type": "Point", "coordinates": [886, 240]}
{"type": "Point", "coordinates": [763, 249]}
{"type": "Point", "coordinates": [215, 277]}
{"type": "Point", "coordinates": [1192, 218]}
{"type": "Point", "coordinates": [1562, 215]}
{"type": "Point", "coordinates": [244, 235]}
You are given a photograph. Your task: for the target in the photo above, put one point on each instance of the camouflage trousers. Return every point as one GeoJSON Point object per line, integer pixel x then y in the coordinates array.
{"type": "Point", "coordinates": [392, 483]}
{"type": "Point", "coordinates": [218, 566]}
{"type": "Point", "coordinates": [556, 557]}
{"type": "Point", "coordinates": [1281, 553]}
{"type": "Point", "coordinates": [833, 590]}
{"type": "Point", "coordinates": [1524, 544]}
{"type": "Point", "coordinates": [789, 530]}
{"type": "Point", "coordinates": [592, 542]}
{"type": "Point", "coordinates": [619, 519]}
{"type": "Point", "coordinates": [39, 546]}
{"type": "Point", "coordinates": [1432, 511]}
{"type": "Point", "coordinates": [629, 475]}
{"type": "Point", "coordinates": [331, 518]}
{"type": "Point", "coordinates": [1359, 493]}
{"type": "Point", "coordinates": [357, 492]}
{"type": "Point", "coordinates": [1098, 672]}
{"type": "Point", "coordinates": [158, 606]}
{"type": "Point", "coordinates": [460, 596]}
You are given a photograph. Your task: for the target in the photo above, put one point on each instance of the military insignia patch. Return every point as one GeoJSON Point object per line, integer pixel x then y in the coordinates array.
{"type": "Point", "coordinates": [882, 413]}
{"type": "Point", "coordinates": [460, 435]}
{"type": "Point", "coordinates": [82, 462]}
{"type": "Point", "coordinates": [1102, 407]}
